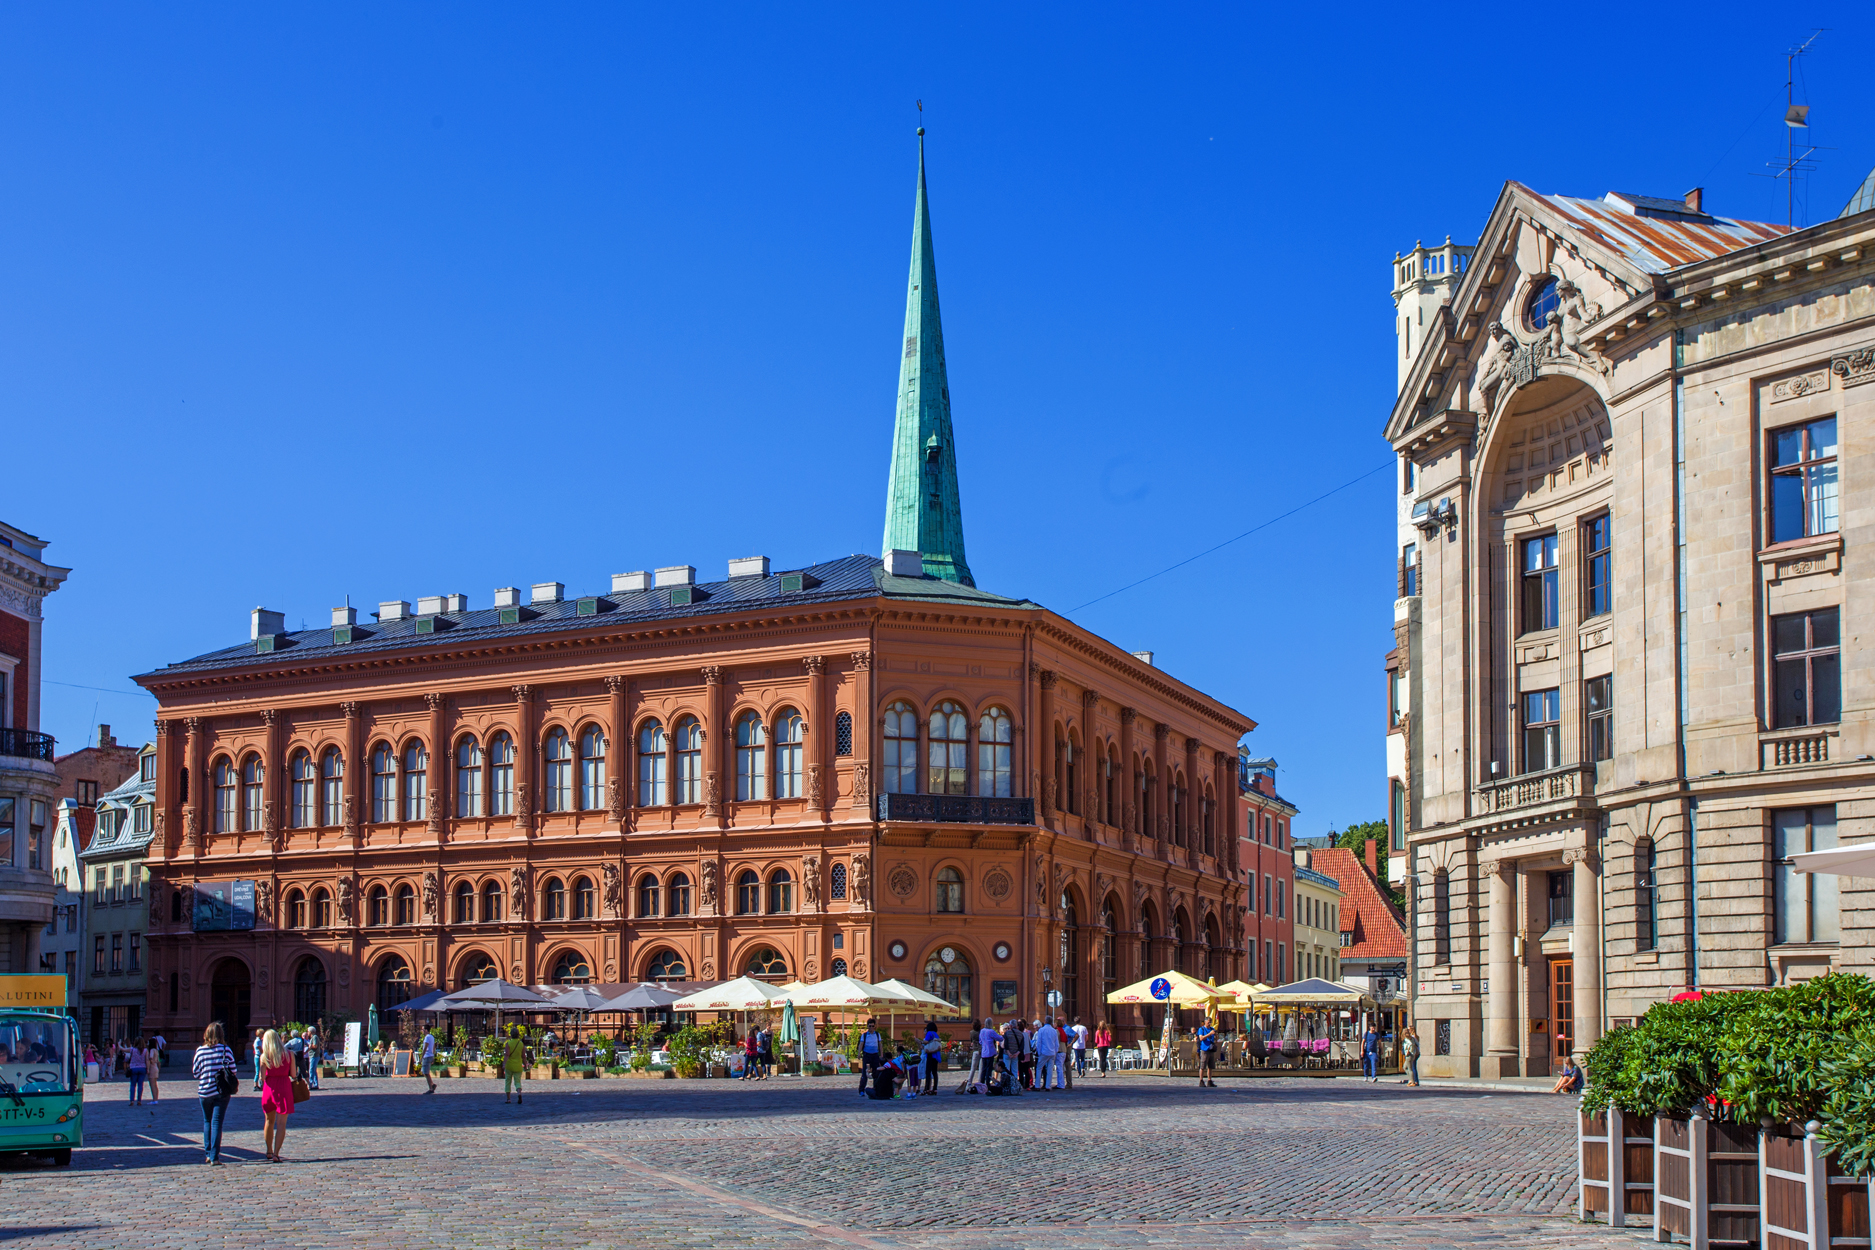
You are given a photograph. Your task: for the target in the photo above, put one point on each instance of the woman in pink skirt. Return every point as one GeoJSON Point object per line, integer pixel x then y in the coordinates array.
{"type": "Point", "coordinates": [276, 1092]}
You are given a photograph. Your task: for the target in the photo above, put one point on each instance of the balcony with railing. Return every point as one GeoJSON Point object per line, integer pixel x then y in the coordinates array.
{"type": "Point", "coordinates": [26, 744]}
{"type": "Point", "coordinates": [955, 809]}
{"type": "Point", "coordinates": [1554, 785]}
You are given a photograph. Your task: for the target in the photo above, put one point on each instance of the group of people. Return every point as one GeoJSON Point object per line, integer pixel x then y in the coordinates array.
{"type": "Point", "coordinates": [303, 1048]}
{"type": "Point", "coordinates": [1040, 1055]}
{"type": "Point", "coordinates": [139, 1059]}
{"type": "Point", "coordinates": [758, 1053]}
{"type": "Point", "coordinates": [284, 1073]}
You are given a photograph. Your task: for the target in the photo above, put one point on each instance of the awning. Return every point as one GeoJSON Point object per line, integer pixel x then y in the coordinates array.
{"type": "Point", "coordinates": [1854, 860]}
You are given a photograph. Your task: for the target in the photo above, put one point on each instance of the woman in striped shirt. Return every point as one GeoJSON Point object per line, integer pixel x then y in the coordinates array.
{"type": "Point", "coordinates": [212, 1058]}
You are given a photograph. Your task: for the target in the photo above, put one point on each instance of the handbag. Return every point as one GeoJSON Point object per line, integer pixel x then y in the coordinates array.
{"type": "Point", "coordinates": [226, 1082]}
{"type": "Point", "coordinates": [301, 1090]}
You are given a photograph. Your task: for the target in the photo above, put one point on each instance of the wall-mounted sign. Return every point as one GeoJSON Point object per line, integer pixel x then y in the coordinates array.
{"type": "Point", "coordinates": [221, 906]}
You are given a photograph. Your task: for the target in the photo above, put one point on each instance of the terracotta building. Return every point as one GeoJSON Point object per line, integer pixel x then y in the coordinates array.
{"type": "Point", "coordinates": [865, 765]}
{"type": "Point", "coordinates": [1628, 682]}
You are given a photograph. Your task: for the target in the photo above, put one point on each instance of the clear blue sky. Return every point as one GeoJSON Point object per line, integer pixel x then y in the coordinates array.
{"type": "Point", "coordinates": [402, 299]}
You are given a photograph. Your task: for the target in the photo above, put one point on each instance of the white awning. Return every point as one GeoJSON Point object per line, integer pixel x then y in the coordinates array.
{"type": "Point", "coordinates": [1855, 860]}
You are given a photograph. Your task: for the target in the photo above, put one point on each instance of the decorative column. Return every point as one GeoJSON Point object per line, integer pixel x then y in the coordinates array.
{"type": "Point", "coordinates": [438, 771]}
{"type": "Point", "coordinates": [355, 768]}
{"type": "Point", "coordinates": [814, 739]}
{"type": "Point", "coordinates": [1587, 929]}
{"type": "Point", "coordinates": [524, 758]}
{"type": "Point", "coordinates": [1501, 1010]}
{"type": "Point", "coordinates": [168, 818]}
{"type": "Point", "coordinates": [1045, 735]}
{"type": "Point", "coordinates": [1090, 763]}
{"type": "Point", "coordinates": [192, 811]}
{"type": "Point", "coordinates": [1129, 782]}
{"type": "Point", "coordinates": [864, 729]}
{"type": "Point", "coordinates": [715, 745]}
{"type": "Point", "coordinates": [1161, 798]}
{"type": "Point", "coordinates": [270, 773]}
{"type": "Point", "coordinates": [618, 751]}
{"type": "Point", "coordinates": [1191, 834]}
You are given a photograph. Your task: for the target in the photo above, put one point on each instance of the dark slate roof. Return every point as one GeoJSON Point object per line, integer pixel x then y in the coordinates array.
{"type": "Point", "coordinates": [850, 577]}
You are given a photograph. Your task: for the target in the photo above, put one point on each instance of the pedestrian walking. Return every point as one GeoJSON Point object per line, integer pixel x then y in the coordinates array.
{"type": "Point", "coordinates": [1370, 1056]}
{"type": "Point", "coordinates": [1047, 1055]}
{"type": "Point", "coordinates": [215, 1083]}
{"type": "Point", "coordinates": [429, 1057]}
{"type": "Point", "coordinates": [988, 1040]}
{"type": "Point", "coordinates": [933, 1049]}
{"type": "Point", "coordinates": [254, 1055]}
{"type": "Point", "coordinates": [1103, 1042]}
{"type": "Point", "coordinates": [137, 1066]}
{"type": "Point", "coordinates": [1207, 1055]}
{"type": "Point", "coordinates": [161, 1045]}
{"type": "Point", "coordinates": [276, 1092]}
{"type": "Point", "coordinates": [1409, 1054]}
{"type": "Point", "coordinates": [751, 1048]}
{"type": "Point", "coordinates": [871, 1053]}
{"type": "Point", "coordinates": [152, 1063]}
{"type": "Point", "coordinates": [1080, 1046]}
{"type": "Point", "coordinates": [513, 1063]}
{"type": "Point", "coordinates": [765, 1052]}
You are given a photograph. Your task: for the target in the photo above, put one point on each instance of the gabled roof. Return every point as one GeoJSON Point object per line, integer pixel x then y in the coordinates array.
{"type": "Point", "coordinates": [851, 577]}
{"type": "Point", "coordinates": [1378, 931]}
{"type": "Point", "coordinates": [1655, 234]}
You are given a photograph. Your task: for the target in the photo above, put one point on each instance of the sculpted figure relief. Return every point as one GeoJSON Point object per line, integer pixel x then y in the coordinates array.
{"type": "Point", "coordinates": [810, 882]}
{"type": "Point", "coordinates": [517, 885]}
{"type": "Point", "coordinates": [1492, 367]}
{"type": "Point", "coordinates": [431, 889]}
{"type": "Point", "coordinates": [263, 900]}
{"type": "Point", "coordinates": [1570, 319]}
{"type": "Point", "coordinates": [611, 875]}
{"type": "Point", "coordinates": [347, 899]}
{"type": "Point", "coordinates": [709, 883]}
{"type": "Point", "coordinates": [862, 881]}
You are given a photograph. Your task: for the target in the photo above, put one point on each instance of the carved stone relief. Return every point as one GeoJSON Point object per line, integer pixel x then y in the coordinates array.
{"type": "Point", "coordinates": [997, 884]}
{"type": "Point", "coordinates": [432, 889]}
{"type": "Point", "coordinates": [902, 881]}
{"type": "Point", "coordinates": [862, 882]}
{"type": "Point", "coordinates": [613, 900]}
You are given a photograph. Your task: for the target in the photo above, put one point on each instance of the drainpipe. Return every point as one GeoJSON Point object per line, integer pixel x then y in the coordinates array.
{"type": "Point", "coordinates": [1679, 591]}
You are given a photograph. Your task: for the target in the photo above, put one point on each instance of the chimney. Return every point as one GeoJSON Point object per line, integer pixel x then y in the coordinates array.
{"type": "Point", "coordinates": [677, 575]}
{"type": "Point", "coordinates": [1694, 199]}
{"type": "Point", "coordinates": [393, 609]}
{"type": "Point", "coordinates": [629, 583]}
{"type": "Point", "coordinates": [429, 605]}
{"type": "Point", "coordinates": [104, 736]}
{"type": "Point", "coordinates": [507, 596]}
{"type": "Point", "coordinates": [455, 603]}
{"type": "Point", "coordinates": [1373, 859]}
{"type": "Point", "coordinates": [344, 616]}
{"type": "Point", "coordinates": [901, 563]}
{"type": "Point", "coordinates": [548, 592]}
{"type": "Point", "coordinates": [265, 621]}
{"type": "Point", "coordinates": [1144, 657]}
{"type": "Point", "coordinates": [748, 566]}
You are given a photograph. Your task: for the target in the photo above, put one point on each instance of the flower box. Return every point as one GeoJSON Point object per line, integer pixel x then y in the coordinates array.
{"type": "Point", "coordinates": [1615, 1155]}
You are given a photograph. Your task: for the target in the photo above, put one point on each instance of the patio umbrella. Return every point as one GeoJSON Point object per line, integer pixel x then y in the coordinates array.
{"type": "Point", "coordinates": [847, 993]}
{"type": "Point", "coordinates": [1855, 860]}
{"type": "Point", "coordinates": [1172, 988]}
{"type": "Point", "coordinates": [371, 1027]}
{"type": "Point", "coordinates": [932, 1004]}
{"type": "Point", "coordinates": [494, 995]}
{"type": "Point", "coordinates": [425, 1003]}
{"type": "Point", "coordinates": [644, 996]}
{"type": "Point", "coordinates": [744, 993]}
{"type": "Point", "coordinates": [1315, 992]}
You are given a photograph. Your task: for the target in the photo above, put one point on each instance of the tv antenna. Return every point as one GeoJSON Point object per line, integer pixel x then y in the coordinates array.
{"type": "Point", "coordinates": [1796, 117]}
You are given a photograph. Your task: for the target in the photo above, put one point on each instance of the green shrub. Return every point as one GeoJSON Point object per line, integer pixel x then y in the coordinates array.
{"type": "Point", "coordinates": [1777, 1047]}
{"type": "Point", "coordinates": [1849, 1106]}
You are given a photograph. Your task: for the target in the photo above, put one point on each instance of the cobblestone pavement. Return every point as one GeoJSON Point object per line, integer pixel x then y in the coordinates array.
{"type": "Point", "coordinates": [1124, 1162]}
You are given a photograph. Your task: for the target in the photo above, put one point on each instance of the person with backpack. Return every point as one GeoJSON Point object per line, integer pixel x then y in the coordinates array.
{"type": "Point", "coordinates": [933, 1050]}
{"type": "Point", "coordinates": [215, 1083]}
{"type": "Point", "coordinates": [871, 1053]}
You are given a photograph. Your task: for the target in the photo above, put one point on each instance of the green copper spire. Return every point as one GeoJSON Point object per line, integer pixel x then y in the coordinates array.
{"type": "Point", "coordinates": [922, 512]}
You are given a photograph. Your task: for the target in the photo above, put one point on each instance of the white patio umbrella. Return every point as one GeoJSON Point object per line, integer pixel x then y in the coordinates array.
{"type": "Point", "coordinates": [1855, 860]}
{"type": "Point", "coordinates": [744, 993]}
{"type": "Point", "coordinates": [849, 994]}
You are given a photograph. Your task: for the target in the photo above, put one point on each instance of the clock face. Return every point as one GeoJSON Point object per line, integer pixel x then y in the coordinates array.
{"type": "Point", "coordinates": [948, 955]}
{"type": "Point", "coordinates": [1002, 950]}
{"type": "Point", "coordinates": [898, 950]}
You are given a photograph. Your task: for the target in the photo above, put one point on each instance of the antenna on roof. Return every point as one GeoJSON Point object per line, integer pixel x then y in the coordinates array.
{"type": "Point", "coordinates": [1796, 117]}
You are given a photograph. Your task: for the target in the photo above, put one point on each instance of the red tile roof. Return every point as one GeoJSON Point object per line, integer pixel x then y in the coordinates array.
{"type": "Point", "coordinates": [1378, 930]}
{"type": "Point", "coordinates": [1657, 243]}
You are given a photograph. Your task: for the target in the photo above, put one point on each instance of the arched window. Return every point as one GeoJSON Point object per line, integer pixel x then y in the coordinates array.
{"type": "Point", "coordinates": [416, 781]}
{"type": "Point", "coordinates": [584, 899]}
{"type": "Point", "coordinates": [649, 896]}
{"type": "Point", "coordinates": [780, 892]}
{"type": "Point", "coordinates": [748, 893]}
{"type": "Point", "coordinates": [949, 750]}
{"type": "Point", "coordinates": [406, 905]}
{"type": "Point", "coordinates": [901, 749]}
{"type": "Point", "coordinates": [651, 765]}
{"type": "Point", "coordinates": [689, 760]}
{"type": "Point", "coordinates": [464, 911]}
{"type": "Point", "coordinates": [1110, 788]}
{"type": "Point", "coordinates": [305, 789]}
{"type": "Point", "coordinates": [295, 910]}
{"type": "Point", "coordinates": [309, 989]}
{"type": "Point", "coordinates": [592, 769]}
{"type": "Point", "coordinates": [383, 785]}
{"type": "Point", "coordinates": [478, 968]}
{"type": "Point", "coordinates": [1109, 950]}
{"type": "Point", "coordinates": [378, 906]}
{"type": "Point", "coordinates": [950, 890]}
{"type": "Point", "coordinates": [679, 889]}
{"type": "Point", "coordinates": [394, 981]}
{"type": "Point", "coordinates": [1544, 299]}
{"type": "Point", "coordinates": [843, 733]}
{"type": "Point", "coordinates": [332, 788]}
{"type": "Point", "coordinates": [1071, 774]}
{"type": "Point", "coordinates": [501, 775]}
{"type": "Point", "coordinates": [995, 739]}
{"type": "Point", "coordinates": [491, 902]}
{"type": "Point", "coordinates": [251, 777]}
{"type": "Point", "coordinates": [1069, 944]}
{"type": "Point", "coordinates": [556, 791]}
{"type": "Point", "coordinates": [766, 962]}
{"type": "Point", "coordinates": [468, 778]}
{"type": "Point", "coordinates": [838, 968]}
{"type": "Point", "coordinates": [837, 877]}
{"type": "Point", "coordinates": [949, 981]}
{"type": "Point", "coordinates": [788, 737]}
{"type": "Point", "coordinates": [666, 966]}
{"type": "Point", "coordinates": [571, 969]}
{"type": "Point", "coordinates": [321, 909]}
{"type": "Point", "coordinates": [751, 757]}
{"type": "Point", "coordinates": [225, 796]}
{"type": "Point", "coordinates": [553, 900]}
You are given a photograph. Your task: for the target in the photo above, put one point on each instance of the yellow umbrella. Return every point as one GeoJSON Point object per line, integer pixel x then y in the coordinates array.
{"type": "Point", "coordinates": [1243, 992]}
{"type": "Point", "coordinates": [1179, 991]}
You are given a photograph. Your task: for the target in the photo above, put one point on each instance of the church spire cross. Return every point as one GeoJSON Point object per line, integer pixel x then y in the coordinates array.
{"type": "Point", "coordinates": [922, 512]}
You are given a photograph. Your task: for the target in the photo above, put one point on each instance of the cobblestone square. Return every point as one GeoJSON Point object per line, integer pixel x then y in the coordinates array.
{"type": "Point", "coordinates": [1122, 1162]}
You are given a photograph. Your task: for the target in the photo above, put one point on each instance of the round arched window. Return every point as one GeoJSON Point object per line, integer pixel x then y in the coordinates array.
{"type": "Point", "coordinates": [1543, 301]}
{"type": "Point", "coordinates": [477, 969]}
{"type": "Point", "coordinates": [766, 961]}
{"type": "Point", "coordinates": [667, 966]}
{"type": "Point", "coordinates": [949, 978]}
{"type": "Point", "coordinates": [571, 969]}
{"type": "Point", "coordinates": [394, 981]}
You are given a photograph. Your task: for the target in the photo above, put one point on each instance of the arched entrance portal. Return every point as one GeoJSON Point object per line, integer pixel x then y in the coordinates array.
{"type": "Point", "coordinates": [231, 1001]}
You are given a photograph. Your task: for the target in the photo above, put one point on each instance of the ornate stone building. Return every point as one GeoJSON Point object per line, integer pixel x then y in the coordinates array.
{"type": "Point", "coordinates": [29, 779]}
{"type": "Point", "coordinates": [866, 766]}
{"type": "Point", "coordinates": [1629, 679]}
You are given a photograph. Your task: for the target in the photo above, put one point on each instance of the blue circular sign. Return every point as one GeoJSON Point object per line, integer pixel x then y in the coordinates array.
{"type": "Point", "coordinates": [1161, 988]}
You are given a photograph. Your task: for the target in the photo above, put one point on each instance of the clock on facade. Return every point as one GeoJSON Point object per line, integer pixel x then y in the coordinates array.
{"type": "Point", "coordinates": [1002, 952]}
{"type": "Point", "coordinates": [948, 955]}
{"type": "Point", "coordinates": [898, 950]}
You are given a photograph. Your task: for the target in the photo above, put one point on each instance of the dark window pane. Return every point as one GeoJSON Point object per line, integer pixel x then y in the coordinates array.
{"type": "Point", "coordinates": [1788, 445]}
{"type": "Point", "coordinates": [1792, 705]}
{"type": "Point", "coordinates": [1786, 507]}
{"type": "Point", "coordinates": [1826, 689]}
{"type": "Point", "coordinates": [1823, 628]}
{"type": "Point", "coordinates": [1549, 600]}
{"type": "Point", "coordinates": [1787, 634]}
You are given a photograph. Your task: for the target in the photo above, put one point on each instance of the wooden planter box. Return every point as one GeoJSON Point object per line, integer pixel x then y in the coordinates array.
{"type": "Point", "coordinates": [1706, 1181]}
{"type": "Point", "coordinates": [665, 1075]}
{"type": "Point", "coordinates": [1615, 1164]}
{"type": "Point", "coordinates": [1809, 1203]}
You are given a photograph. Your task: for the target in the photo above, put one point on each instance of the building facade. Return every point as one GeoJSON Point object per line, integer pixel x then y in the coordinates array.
{"type": "Point", "coordinates": [1629, 682]}
{"type": "Point", "coordinates": [864, 766]}
{"type": "Point", "coordinates": [1268, 854]}
{"type": "Point", "coordinates": [111, 1002]}
{"type": "Point", "coordinates": [28, 775]}
{"type": "Point", "coordinates": [1372, 937]}
{"type": "Point", "coordinates": [63, 944]}
{"type": "Point", "coordinates": [1318, 922]}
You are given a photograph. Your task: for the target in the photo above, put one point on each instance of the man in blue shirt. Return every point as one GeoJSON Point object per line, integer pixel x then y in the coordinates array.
{"type": "Point", "coordinates": [871, 1051]}
{"type": "Point", "coordinates": [1207, 1055]}
{"type": "Point", "coordinates": [1370, 1056]}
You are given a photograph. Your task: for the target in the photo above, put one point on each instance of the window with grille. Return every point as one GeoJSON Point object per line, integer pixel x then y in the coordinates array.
{"type": "Point", "coordinates": [839, 881]}
{"type": "Point", "coordinates": [843, 734]}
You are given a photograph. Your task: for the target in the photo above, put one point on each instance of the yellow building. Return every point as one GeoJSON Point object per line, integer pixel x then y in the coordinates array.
{"type": "Point", "coordinates": [1318, 922]}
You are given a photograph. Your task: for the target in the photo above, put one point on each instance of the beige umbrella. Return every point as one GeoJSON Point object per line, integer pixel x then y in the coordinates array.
{"type": "Point", "coordinates": [849, 994]}
{"type": "Point", "coordinates": [932, 1004]}
{"type": "Point", "coordinates": [742, 994]}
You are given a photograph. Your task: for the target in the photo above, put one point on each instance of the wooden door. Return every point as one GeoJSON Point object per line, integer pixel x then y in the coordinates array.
{"type": "Point", "coordinates": [1562, 1005]}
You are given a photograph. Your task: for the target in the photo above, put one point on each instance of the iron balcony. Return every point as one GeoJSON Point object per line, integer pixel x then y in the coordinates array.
{"type": "Point", "coordinates": [955, 809]}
